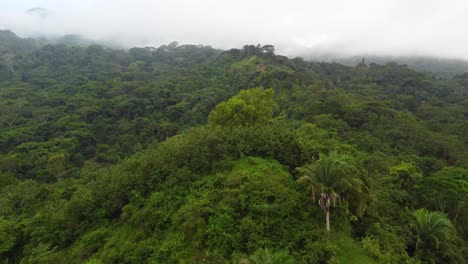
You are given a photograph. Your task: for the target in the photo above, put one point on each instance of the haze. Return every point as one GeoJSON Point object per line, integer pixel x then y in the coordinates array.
{"type": "Point", "coordinates": [423, 28]}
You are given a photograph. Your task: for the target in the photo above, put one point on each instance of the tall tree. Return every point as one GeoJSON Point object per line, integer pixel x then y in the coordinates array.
{"type": "Point", "coordinates": [330, 178]}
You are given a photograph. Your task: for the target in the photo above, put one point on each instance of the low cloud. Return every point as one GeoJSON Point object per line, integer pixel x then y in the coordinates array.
{"type": "Point", "coordinates": [39, 12]}
{"type": "Point", "coordinates": [386, 27]}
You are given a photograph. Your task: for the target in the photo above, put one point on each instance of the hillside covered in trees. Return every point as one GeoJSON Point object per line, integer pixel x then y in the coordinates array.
{"type": "Point", "coordinates": [439, 67]}
{"type": "Point", "coordinates": [188, 154]}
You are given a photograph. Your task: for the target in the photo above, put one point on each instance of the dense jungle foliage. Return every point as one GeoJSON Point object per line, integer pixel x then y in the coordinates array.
{"type": "Point", "coordinates": [188, 154]}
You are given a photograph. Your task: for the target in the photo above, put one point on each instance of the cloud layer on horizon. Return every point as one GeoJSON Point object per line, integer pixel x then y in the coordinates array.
{"type": "Point", "coordinates": [431, 27]}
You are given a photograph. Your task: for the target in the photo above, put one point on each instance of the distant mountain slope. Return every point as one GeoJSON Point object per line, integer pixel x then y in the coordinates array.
{"type": "Point", "coordinates": [12, 45]}
{"type": "Point", "coordinates": [10, 42]}
{"type": "Point", "coordinates": [440, 67]}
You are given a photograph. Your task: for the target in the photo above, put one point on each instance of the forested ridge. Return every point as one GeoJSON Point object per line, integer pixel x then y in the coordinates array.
{"type": "Point", "coordinates": [439, 67]}
{"type": "Point", "coordinates": [189, 154]}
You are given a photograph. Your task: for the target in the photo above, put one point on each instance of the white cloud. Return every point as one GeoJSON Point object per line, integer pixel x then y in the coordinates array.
{"type": "Point", "coordinates": [398, 27]}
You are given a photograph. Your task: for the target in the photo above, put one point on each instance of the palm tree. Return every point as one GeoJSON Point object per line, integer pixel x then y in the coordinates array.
{"type": "Point", "coordinates": [330, 178]}
{"type": "Point", "coordinates": [433, 229]}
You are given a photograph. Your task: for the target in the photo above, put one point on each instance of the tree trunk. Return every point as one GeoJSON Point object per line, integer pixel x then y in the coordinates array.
{"type": "Point", "coordinates": [327, 218]}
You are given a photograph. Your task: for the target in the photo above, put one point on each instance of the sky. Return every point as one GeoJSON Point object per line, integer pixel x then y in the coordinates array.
{"type": "Point", "coordinates": [294, 27]}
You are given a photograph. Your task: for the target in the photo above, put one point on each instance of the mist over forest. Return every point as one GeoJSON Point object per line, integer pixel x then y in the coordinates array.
{"type": "Point", "coordinates": [391, 28]}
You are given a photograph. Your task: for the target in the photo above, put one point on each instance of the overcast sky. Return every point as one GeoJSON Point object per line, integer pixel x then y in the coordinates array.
{"type": "Point", "coordinates": [391, 27]}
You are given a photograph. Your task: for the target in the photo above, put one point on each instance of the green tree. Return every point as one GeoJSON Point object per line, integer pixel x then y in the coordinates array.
{"type": "Point", "coordinates": [435, 236]}
{"type": "Point", "coordinates": [265, 256]}
{"type": "Point", "coordinates": [330, 178]}
{"type": "Point", "coordinates": [11, 110]}
{"type": "Point", "coordinates": [8, 236]}
{"type": "Point", "coordinates": [249, 107]}
{"type": "Point", "coordinates": [406, 175]}
{"type": "Point", "coordinates": [56, 165]}
{"type": "Point", "coordinates": [446, 191]}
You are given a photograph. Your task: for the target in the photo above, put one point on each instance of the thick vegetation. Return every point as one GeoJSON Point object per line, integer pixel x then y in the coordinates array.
{"type": "Point", "coordinates": [187, 154]}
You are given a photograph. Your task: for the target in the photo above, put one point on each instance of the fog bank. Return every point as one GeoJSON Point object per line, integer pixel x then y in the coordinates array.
{"type": "Point", "coordinates": [384, 27]}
